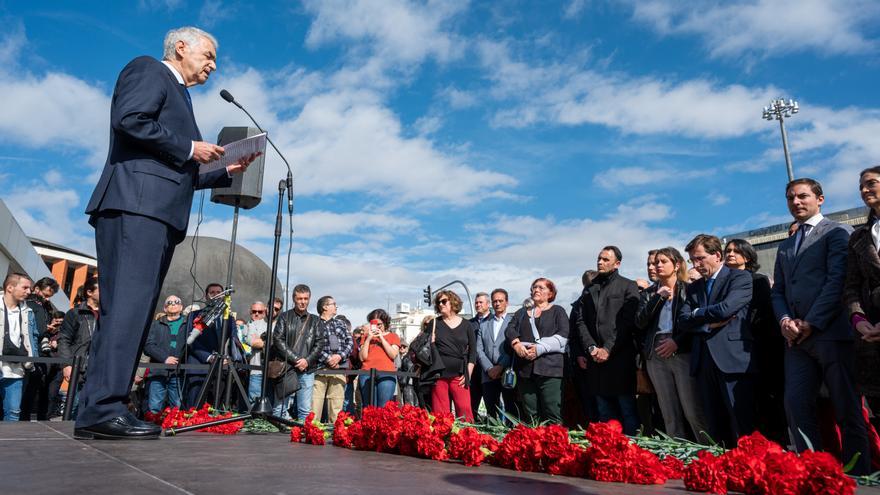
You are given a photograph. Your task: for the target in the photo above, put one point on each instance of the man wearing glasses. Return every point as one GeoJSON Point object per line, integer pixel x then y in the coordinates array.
{"type": "Point", "coordinates": [165, 344]}
{"type": "Point", "coordinates": [256, 330]}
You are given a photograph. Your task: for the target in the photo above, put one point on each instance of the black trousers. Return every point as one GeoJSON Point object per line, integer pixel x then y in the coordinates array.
{"type": "Point", "coordinates": [728, 399]}
{"type": "Point", "coordinates": [493, 394]}
{"type": "Point", "coordinates": [134, 253]}
{"type": "Point", "coordinates": [809, 364]}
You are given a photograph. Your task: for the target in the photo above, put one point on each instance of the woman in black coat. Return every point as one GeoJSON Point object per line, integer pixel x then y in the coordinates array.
{"type": "Point", "coordinates": [769, 343]}
{"type": "Point", "coordinates": [861, 292]}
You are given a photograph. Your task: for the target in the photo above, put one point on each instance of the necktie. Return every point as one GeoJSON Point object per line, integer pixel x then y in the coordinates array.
{"type": "Point", "coordinates": [803, 230]}
{"type": "Point", "coordinates": [189, 101]}
{"type": "Point", "coordinates": [709, 283]}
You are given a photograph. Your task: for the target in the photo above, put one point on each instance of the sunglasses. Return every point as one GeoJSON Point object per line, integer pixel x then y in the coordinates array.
{"type": "Point", "coordinates": [441, 302]}
{"type": "Point", "coordinates": [172, 302]}
{"type": "Point", "coordinates": [258, 311]}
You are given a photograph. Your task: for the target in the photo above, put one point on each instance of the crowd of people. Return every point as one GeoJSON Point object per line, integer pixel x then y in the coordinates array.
{"type": "Point", "coordinates": [707, 354]}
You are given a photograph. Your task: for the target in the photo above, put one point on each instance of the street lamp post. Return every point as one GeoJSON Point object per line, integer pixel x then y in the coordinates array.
{"type": "Point", "coordinates": [780, 110]}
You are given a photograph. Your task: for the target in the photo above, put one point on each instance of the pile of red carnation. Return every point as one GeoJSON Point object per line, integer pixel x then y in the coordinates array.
{"type": "Point", "coordinates": [412, 431]}
{"type": "Point", "coordinates": [174, 417]}
{"type": "Point", "coordinates": [312, 432]}
{"type": "Point", "coordinates": [759, 466]}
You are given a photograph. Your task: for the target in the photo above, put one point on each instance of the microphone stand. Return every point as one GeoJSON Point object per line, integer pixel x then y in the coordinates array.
{"type": "Point", "coordinates": [262, 406]}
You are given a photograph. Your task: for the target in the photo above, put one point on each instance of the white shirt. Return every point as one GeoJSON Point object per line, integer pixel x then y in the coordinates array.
{"type": "Point", "coordinates": [13, 370]}
{"type": "Point", "coordinates": [497, 321]}
{"type": "Point", "coordinates": [179, 78]}
{"type": "Point", "coordinates": [802, 234]}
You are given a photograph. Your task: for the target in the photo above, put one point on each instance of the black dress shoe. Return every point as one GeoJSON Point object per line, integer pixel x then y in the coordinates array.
{"type": "Point", "coordinates": [125, 427]}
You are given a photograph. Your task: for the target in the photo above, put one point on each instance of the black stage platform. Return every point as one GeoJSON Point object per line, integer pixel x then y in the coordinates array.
{"type": "Point", "coordinates": [43, 458]}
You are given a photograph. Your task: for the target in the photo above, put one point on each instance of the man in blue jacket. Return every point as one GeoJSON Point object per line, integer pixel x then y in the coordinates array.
{"type": "Point", "coordinates": [716, 310]}
{"type": "Point", "coordinates": [140, 209]}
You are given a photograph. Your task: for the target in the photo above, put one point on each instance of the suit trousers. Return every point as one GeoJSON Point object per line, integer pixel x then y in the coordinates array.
{"type": "Point", "coordinates": [331, 387]}
{"type": "Point", "coordinates": [728, 399]}
{"type": "Point", "coordinates": [807, 365]}
{"type": "Point", "coordinates": [678, 396]}
{"type": "Point", "coordinates": [134, 253]}
{"type": "Point", "coordinates": [493, 394]}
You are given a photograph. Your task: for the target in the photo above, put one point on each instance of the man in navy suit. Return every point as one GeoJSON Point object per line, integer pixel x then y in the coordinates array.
{"type": "Point", "coordinates": [494, 356]}
{"type": "Point", "coordinates": [140, 209]}
{"type": "Point", "coordinates": [807, 294]}
{"type": "Point", "coordinates": [716, 310]}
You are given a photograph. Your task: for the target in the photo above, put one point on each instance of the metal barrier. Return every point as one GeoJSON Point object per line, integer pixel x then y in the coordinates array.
{"type": "Point", "coordinates": [77, 362]}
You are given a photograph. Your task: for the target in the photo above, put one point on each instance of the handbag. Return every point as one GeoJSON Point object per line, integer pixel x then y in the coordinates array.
{"type": "Point", "coordinates": [643, 381]}
{"type": "Point", "coordinates": [278, 367]}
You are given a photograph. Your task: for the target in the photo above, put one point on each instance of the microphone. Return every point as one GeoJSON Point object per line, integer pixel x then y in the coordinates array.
{"type": "Point", "coordinates": [226, 95]}
{"type": "Point", "coordinates": [528, 303]}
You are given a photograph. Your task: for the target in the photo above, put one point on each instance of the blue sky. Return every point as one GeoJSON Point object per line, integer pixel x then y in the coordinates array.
{"type": "Point", "coordinates": [491, 142]}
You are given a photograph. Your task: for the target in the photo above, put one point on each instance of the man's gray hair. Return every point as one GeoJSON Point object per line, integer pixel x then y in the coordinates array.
{"type": "Point", "coordinates": [481, 294]}
{"type": "Point", "coordinates": [192, 36]}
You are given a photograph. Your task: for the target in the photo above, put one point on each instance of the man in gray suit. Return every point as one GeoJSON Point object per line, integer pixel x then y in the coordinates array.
{"type": "Point", "coordinates": [808, 283]}
{"type": "Point", "coordinates": [494, 356]}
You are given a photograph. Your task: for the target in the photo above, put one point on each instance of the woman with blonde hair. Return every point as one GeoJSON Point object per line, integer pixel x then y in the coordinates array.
{"type": "Point", "coordinates": [667, 347]}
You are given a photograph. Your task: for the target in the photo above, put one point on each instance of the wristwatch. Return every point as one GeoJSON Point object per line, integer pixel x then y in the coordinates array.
{"type": "Point", "coordinates": [591, 349]}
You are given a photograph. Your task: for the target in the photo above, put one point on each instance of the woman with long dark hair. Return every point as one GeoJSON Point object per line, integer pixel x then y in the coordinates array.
{"type": "Point", "coordinates": [769, 345]}
{"type": "Point", "coordinates": [861, 293]}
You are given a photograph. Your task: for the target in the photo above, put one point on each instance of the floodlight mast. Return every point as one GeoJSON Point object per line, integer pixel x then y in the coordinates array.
{"type": "Point", "coordinates": [780, 110]}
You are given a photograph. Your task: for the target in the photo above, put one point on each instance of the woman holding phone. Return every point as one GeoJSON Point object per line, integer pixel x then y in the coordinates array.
{"type": "Point", "coordinates": [378, 349]}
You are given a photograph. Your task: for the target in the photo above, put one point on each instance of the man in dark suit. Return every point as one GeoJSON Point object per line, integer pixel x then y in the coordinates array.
{"type": "Point", "coordinates": [605, 325]}
{"type": "Point", "coordinates": [716, 310]}
{"type": "Point", "coordinates": [140, 209]}
{"type": "Point", "coordinates": [807, 299]}
{"type": "Point", "coordinates": [494, 356]}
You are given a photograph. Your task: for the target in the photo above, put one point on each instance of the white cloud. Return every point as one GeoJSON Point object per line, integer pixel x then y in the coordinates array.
{"type": "Point", "coordinates": [574, 9]}
{"type": "Point", "coordinates": [408, 31]}
{"type": "Point", "coordinates": [309, 225]}
{"type": "Point", "coordinates": [567, 94]}
{"type": "Point", "coordinates": [345, 140]}
{"type": "Point", "coordinates": [51, 214]}
{"type": "Point", "coordinates": [718, 199]}
{"type": "Point", "coordinates": [766, 27]}
{"type": "Point", "coordinates": [621, 177]}
{"type": "Point", "coordinates": [215, 11]}
{"type": "Point", "coordinates": [458, 99]}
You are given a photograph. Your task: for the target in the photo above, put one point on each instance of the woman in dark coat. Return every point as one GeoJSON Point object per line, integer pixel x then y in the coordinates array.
{"type": "Point", "coordinates": [861, 293]}
{"type": "Point", "coordinates": [769, 343]}
{"type": "Point", "coordinates": [539, 360]}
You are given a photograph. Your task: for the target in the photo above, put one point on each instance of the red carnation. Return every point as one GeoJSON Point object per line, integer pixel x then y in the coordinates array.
{"type": "Point", "coordinates": [825, 475]}
{"type": "Point", "coordinates": [784, 475]}
{"type": "Point", "coordinates": [705, 474]}
{"type": "Point", "coordinates": [674, 467]}
{"type": "Point", "coordinates": [296, 434]}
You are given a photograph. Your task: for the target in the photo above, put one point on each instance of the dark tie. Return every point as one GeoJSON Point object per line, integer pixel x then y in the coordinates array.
{"type": "Point", "coordinates": [709, 283]}
{"type": "Point", "coordinates": [189, 101]}
{"type": "Point", "coordinates": [801, 235]}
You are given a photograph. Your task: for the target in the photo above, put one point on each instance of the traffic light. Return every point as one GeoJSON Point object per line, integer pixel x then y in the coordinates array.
{"type": "Point", "coordinates": [427, 295]}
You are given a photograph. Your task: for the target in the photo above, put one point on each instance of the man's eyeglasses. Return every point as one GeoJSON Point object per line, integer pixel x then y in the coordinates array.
{"type": "Point", "coordinates": [258, 311]}
{"type": "Point", "coordinates": [172, 302]}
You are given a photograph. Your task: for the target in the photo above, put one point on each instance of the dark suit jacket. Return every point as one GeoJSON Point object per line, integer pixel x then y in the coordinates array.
{"type": "Point", "coordinates": [607, 319]}
{"type": "Point", "coordinates": [730, 345]}
{"type": "Point", "coordinates": [809, 285]}
{"type": "Point", "coordinates": [151, 132]}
